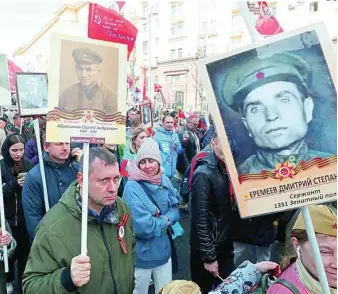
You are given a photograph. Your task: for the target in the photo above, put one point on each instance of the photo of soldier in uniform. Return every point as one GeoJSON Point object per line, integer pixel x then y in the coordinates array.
{"type": "Point", "coordinates": [146, 113]}
{"type": "Point", "coordinates": [32, 93]}
{"type": "Point", "coordinates": [88, 77]}
{"type": "Point", "coordinates": [278, 103]}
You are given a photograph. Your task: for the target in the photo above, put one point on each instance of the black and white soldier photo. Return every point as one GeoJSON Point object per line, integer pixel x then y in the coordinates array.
{"type": "Point", "coordinates": [93, 87]}
{"type": "Point", "coordinates": [274, 100]}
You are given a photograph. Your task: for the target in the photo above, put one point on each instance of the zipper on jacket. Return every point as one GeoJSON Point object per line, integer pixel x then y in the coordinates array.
{"type": "Point", "coordinates": [109, 259]}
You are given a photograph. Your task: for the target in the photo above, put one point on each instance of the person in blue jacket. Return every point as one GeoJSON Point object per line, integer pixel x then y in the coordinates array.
{"type": "Point", "coordinates": [169, 144]}
{"type": "Point", "coordinates": [60, 172]}
{"type": "Point", "coordinates": [153, 203]}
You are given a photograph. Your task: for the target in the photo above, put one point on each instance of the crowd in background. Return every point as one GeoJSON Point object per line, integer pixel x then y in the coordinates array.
{"type": "Point", "coordinates": [175, 166]}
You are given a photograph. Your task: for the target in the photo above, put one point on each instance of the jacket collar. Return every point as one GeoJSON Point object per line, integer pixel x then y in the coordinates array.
{"type": "Point", "coordinates": [49, 161]}
{"type": "Point", "coordinates": [72, 200]}
{"type": "Point", "coordinates": [271, 159]}
{"type": "Point", "coordinates": [164, 131]}
{"type": "Point", "coordinates": [165, 183]}
{"type": "Point", "coordinates": [213, 162]}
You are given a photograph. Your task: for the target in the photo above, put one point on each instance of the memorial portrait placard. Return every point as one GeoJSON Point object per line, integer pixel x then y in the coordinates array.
{"type": "Point", "coordinates": [146, 115]}
{"type": "Point", "coordinates": [86, 91]}
{"type": "Point", "coordinates": [32, 93]}
{"type": "Point", "coordinates": [274, 104]}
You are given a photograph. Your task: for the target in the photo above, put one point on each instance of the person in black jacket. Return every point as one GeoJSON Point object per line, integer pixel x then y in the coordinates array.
{"type": "Point", "coordinates": [190, 143]}
{"type": "Point", "coordinates": [12, 166]}
{"type": "Point", "coordinates": [210, 238]}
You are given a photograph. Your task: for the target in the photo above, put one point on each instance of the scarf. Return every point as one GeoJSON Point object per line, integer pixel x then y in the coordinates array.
{"type": "Point", "coordinates": [309, 282]}
{"type": "Point", "coordinates": [134, 173]}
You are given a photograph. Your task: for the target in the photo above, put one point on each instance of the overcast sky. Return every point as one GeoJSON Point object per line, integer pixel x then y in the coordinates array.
{"type": "Point", "coordinates": [21, 21]}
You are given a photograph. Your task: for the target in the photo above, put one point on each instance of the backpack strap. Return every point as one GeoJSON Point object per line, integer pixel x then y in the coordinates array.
{"type": "Point", "coordinates": [192, 166]}
{"type": "Point", "coordinates": [288, 285]}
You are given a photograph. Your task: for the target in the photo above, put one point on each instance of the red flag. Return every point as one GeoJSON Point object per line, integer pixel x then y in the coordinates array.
{"type": "Point", "coordinates": [157, 88]}
{"type": "Point", "coordinates": [181, 114]}
{"type": "Point", "coordinates": [267, 24]}
{"type": "Point", "coordinates": [120, 4]}
{"type": "Point", "coordinates": [12, 69]}
{"type": "Point", "coordinates": [107, 25]}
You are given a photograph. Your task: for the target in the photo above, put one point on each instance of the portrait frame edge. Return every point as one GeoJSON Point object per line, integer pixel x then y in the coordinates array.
{"type": "Point", "coordinates": [328, 54]}
{"type": "Point", "coordinates": [141, 106]}
{"type": "Point", "coordinates": [114, 121]}
{"type": "Point", "coordinates": [38, 113]}
{"type": "Point", "coordinates": [54, 67]}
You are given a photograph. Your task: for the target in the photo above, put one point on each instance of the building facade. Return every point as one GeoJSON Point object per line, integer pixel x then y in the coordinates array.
{"type": "Point", "coordinates": [173, 36]}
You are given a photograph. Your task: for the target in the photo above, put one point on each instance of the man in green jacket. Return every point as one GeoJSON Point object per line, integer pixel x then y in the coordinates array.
{"type": "Point", "coordinates": [55, 266]}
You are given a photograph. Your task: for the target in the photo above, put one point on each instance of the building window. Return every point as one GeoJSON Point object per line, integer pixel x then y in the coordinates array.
{"type": "Point", "coordinates": [176, 10]}
{"type": "Point", "coordinates": [314, 6]}
{"type": "Point", "coordinates": [213, 25]}
{"type": "Point", "coordinates": [176, 31]}
{"type": "Point", "coordinates": [145, 11]}
{"type": "Point", "coordinates": [155, 8]}
{"type": "Point", "coordinates": [204, 28]}
{"type": "Point", "coordinates": [145, 28]}
{"type": "Point", "coordinates": [179, 53]}
{"type": "Point", "coordinates": [145, 47]}
{"type": "Point", "coordinates": [177, 78]}
{"type": "Point", "coordinates": [157, 42]}
{"type": "Point", "coordinates": [156, 59]}
{"type": "Point", "coordinates": [157, 22]}
{"type": "Point", "coordinates": [237, 24]}
{"type": "Point", "coordinates": [173, 54]}
{"type": "Point", "coordinates": [173, 10]}
{"type": "Point", "coordinates": [155, 79]}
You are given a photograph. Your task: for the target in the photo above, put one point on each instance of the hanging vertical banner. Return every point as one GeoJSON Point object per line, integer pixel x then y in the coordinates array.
{"type": "Point", "coordinates": [266, 24]}
{"type": "Point", "coordinates": [144, 90]}
{"type": "Point", "coordinates": [107, 25]}
{"type": "Point", "coordinates": [5, 95]}
{"type": "Point", "coordinates": [12, 70]}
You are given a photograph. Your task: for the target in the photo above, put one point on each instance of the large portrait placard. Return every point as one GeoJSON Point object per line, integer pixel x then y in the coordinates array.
{"type": "Point", "coordinates": [86, 91]}
{"type": "Point", "coordinates": [274, 104]}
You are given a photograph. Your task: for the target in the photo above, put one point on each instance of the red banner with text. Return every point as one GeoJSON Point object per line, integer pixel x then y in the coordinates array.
{"type": "Point", "coordinates": [107, 25]}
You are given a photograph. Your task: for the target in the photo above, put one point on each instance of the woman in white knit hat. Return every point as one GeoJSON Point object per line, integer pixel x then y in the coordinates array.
{"type": "Point", "coordinates": [153, 202]}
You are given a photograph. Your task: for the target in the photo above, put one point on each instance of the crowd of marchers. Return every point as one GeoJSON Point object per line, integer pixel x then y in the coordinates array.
{"type": "Point", "coordinates": [136, 193]}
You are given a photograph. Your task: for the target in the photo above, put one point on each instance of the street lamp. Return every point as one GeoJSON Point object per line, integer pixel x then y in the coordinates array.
{"type": "Point", "coordinates": [148, 18]}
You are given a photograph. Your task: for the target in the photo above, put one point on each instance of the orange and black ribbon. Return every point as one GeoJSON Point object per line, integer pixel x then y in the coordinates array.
{"type": "Point", "coordinates": [123, 221]}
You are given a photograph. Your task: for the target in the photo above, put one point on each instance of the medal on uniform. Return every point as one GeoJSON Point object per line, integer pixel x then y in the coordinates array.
{"type": "Point", "coordinates": [120, 231]}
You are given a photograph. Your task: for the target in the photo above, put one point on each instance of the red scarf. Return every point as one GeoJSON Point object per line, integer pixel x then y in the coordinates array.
{"type": "Point", "coordinates": [134, 173]}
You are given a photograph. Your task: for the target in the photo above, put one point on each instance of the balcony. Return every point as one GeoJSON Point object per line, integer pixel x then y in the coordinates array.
{"type": "Point", "coordinates": [177, 18]}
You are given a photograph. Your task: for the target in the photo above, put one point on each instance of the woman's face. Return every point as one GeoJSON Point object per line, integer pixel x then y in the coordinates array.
{"type": "Point", "coordinates": [139, 139]}
{"type": "Point", "coordinates": [149, 166]}
{"type": "Point", "coordinates": [16, 151]}
{"type": "Point", "coordinates": [328, 250]}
